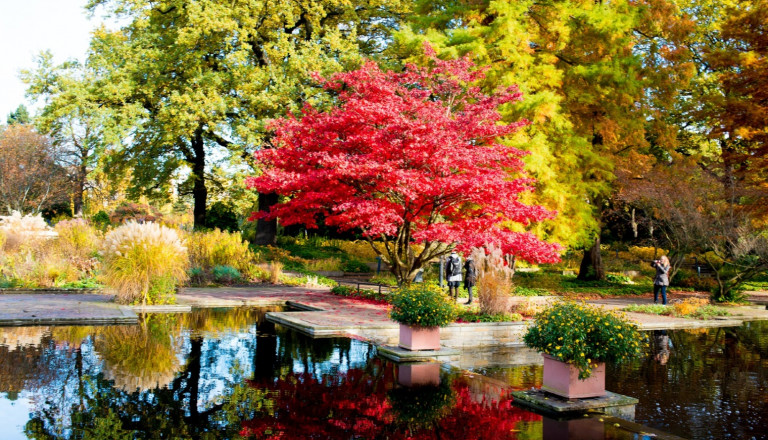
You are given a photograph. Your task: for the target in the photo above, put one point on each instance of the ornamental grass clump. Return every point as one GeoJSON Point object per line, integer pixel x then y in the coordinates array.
{"type": "Point", "coordinates": [584, 336]}
{"type": "Point", "coordinates": [140, 257]}
{"type": "Point", "coordinates": [422, 305]}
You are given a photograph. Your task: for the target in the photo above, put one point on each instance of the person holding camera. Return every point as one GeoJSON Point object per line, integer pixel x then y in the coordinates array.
{"type": "Point", "coordinates": [661, 281]}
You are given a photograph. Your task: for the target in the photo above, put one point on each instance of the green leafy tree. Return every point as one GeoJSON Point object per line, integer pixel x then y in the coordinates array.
{"type": "Point", "coordinates": [200, 79]}
{"type": "Point", "coordinates": [84, 132]}
{"type": "Point", "coordinates": [19, 116]}
{"type": "Point", "coordinates": [589, 72]}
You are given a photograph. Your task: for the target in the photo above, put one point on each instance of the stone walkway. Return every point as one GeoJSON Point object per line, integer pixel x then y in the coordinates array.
{"type": "Point", "coordinates": [62, 309]}
{"type": "Point", "coordinates": [324, 314]}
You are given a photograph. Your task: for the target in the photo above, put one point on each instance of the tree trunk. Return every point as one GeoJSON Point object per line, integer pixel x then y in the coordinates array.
{"type": "Point", "coordinates": [199, 190]}
{"type": "Point", "coordinates": [79, 193]}
{"type": "Point", "coordinates": [266, 230]}
{"type": "Point", "coordinates": [592, 263]}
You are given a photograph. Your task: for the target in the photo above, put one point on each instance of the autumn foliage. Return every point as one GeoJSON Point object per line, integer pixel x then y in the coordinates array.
{"type": "Point", "coordinates": [406, 157]}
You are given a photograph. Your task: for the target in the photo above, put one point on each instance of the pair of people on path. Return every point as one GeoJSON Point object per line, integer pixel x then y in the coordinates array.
{"type": "Point", "coordinates": [453, 271]}
{"type": "Point", "coordinates": [661, 280]}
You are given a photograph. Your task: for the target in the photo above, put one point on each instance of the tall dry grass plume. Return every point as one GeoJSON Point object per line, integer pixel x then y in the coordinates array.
{"type": "Point", "coordinates": [20, 230]}
{"type": "Point", "coordinates": [494, 280]}
{"type": "Point", "coordinates": [275, 269]}
{"type": "Point", "coordinates": [137, 257]}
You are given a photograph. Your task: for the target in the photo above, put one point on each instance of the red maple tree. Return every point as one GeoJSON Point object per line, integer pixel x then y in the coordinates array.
{"type": "Point", "coordinates": [406, 157]}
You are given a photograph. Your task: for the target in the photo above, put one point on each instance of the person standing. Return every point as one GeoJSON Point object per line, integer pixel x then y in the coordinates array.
{"type": "Point", "coordinates": [470, 277]}
{"type": "Point", "coordinates": [453, 273]}
{"type": "Point", "coordinates": [661, 280]}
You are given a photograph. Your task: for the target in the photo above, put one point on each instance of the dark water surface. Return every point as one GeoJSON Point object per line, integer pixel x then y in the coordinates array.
{"type": "Point", "coordinates": [697, 384]}
{"type": "Point", "coordinates": [230, 374]}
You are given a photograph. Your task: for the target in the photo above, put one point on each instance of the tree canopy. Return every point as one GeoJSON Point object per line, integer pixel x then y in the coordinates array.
{"type": "Point", "coordinates": [407, 157]}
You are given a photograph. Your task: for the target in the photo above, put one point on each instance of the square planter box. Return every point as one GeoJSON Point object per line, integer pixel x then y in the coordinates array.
{"type": "Point", "coordinates": [419, 338]}
{"type": "Point", "coordinates": [562, 379]}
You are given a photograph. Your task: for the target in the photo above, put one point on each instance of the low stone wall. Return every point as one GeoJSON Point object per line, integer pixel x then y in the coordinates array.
{"type": "Point", "coordinates": [468, 336]}
{"type": "Point", "coordinates": [459, 336]}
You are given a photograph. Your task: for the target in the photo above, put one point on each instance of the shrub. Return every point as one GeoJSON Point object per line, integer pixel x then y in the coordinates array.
{"type": "Point", "coordinates": [221, 216]}
{"type": "Point", "coordinates": [226, 274]}
{"type": "Point", "coordinates": [368, 294]}
{"type": "Point", "coordinates": [618, 279]}
{"type": "Point", "coordinates": [385, 279]}
{"type": "Point", "coordinates": [197, 275]}
{"type": "Point", "coordinates": [324, 265]}
{"type": "Point", "coordinates": [135, 255]}
{"type": "Point", "coordinates": [354, 266]}
{"type": "Point", "coordinates": [688, 306]}
{"type": "Point", "coordinates": [653, 309]}
{"type": "Point", "coordinates": [208, 249]}
{"type": "Point", "coordinates": [584, 335]}
{"type": "Point", "coordinates": [77, 238]}
{"type": "Point", "coordinates": [494, 280]}
{"type": "Point", "coordinates": [100, 220]}
{"type": "Point", "coordinates": [468, 315]}
{"type": "Point", "coordinates": [136, 212]}
{"type": "Point", "coordinates": [422, 305]}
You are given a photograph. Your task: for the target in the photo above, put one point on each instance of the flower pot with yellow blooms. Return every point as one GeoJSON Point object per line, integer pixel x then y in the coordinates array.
{"type": "Point", "coordinates": [577, 340]}
{"type": "Point", "coordinates": [421, 309]}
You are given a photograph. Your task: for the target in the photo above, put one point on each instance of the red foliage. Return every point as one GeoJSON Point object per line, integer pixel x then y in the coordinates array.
{"type": "Point", "coordinates": [355, 404]}
{"type": "Point", "coordinates": [412, 153]}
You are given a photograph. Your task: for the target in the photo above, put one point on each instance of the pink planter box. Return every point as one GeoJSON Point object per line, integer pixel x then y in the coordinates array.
{"type": "Point", "coordinates": [419, 338]}
{"type": "Point", "coordinates": [562, 379]}
{"type": "Point", "coordinates": [418, 374]}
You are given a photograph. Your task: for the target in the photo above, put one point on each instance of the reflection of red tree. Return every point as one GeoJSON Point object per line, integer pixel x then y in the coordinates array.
{"type": "Point", "coordinates": [354, 404]}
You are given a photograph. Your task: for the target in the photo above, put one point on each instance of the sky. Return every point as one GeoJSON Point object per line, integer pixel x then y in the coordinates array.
{"type": "Point", "coordinates": [28, 27]}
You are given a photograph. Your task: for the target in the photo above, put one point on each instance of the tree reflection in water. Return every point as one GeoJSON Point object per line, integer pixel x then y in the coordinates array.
{"type": "Point", "coordinates": [231, 374]}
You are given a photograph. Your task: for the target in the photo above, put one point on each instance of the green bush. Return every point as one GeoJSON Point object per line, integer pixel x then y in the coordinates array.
{"type": "Point", "coordinates": [653, 309]}
{"type": "Point", "coordinates": [529, 291]}
{"type": "Point", "coordinates": [422, 305]}
{"type": "Point", "coordinates": [584, 335]}
{"type": "Point", "coordinates": [226, 274]}
{"type": "Point", "coordinates": [353, 292]}
{"type": "Point", "coordinates": [100, 220]}
{"type": "Point", "coordinates": [618, 279]}
{"type": "Point", "coordinates": [468, 315]}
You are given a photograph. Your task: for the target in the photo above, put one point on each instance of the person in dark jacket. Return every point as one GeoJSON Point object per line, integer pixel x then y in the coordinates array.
{"type": "Point", "coordinates": [661, 280]}
{"type": "Point", "coordinates": [470, 277]}
{"type": "Point", "coordinates": [453, 273]}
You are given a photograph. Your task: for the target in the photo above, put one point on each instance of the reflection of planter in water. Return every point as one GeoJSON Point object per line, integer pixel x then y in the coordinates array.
{"type": "Point", "coordinates": [562, 379]}
{"type": "Point", "coordinates": [419, 338]}
{"type": "Point", "coordinates": [427, 373]}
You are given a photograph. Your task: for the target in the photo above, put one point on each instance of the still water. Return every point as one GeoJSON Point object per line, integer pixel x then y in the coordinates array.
{"type": "Point", "coordinates": [697, 384]}
{"type": "Point", "coordinates": [230, 374]}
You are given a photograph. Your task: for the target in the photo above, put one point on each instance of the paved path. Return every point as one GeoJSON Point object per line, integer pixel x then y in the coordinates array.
{"type": "Point", "coordinates": [62, 309]}
{"type": "Point", "coordinates": [325, 314]}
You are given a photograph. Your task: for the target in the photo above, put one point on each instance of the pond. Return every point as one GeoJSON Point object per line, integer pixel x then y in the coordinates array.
{"type": "Point", "coordinates": [698, 384]}
{"type": "Point", "coordinates": [229, 374]}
